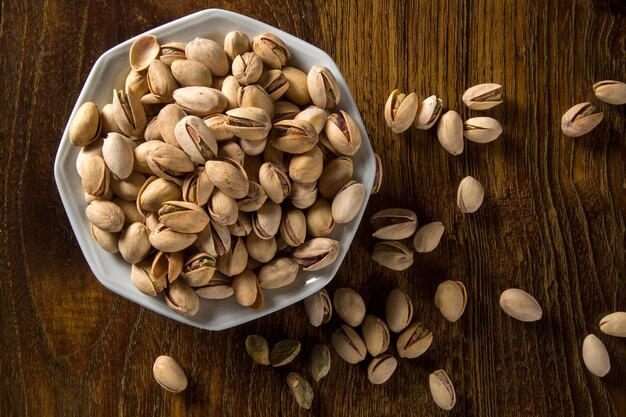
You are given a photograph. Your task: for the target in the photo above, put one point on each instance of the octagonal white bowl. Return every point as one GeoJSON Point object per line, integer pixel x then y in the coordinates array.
{"type": "Point", "coordinates": [109, 71]}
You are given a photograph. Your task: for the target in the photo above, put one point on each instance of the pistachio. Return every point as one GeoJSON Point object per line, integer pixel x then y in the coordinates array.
{"type": "Point", "coordinates": [274, 181]}
{"type": "Point", "coordinates": [154, 192]}
{"type": "Point", "coordinates": [247, 68]}
{"type": "Point", "coordinates": [427, 237]}
{"type": "Point", "coordinates": [284, 352]}
{"type": "Point", "coordinates": [217, 124]}
{"type": "Point", "coordinates": [329, 151]}
{"type": "Point", "coordinates": [483, 96]}
{"type": "Point", "coordinates": [450, 299]}
{"type": "Point", "coordinates": [86, 125]}
{"type": "Point", "coordinates": [171, 52]}
{"type": "Point", "coordinates": [450, 132]}
{"type": "Point", "coordinates": [400, 110]}
{"type": "Point", "coordinates": [152, 131]}
{"type": "Point", "coordinates": [228, 176]}
{"type": "Point", "coordinates": [393, 255]}
{"type": "Point", "coordinates": [320, 362]}
{"type": "Point", "coordinates": [378, 176]}
{"type": "Point", "coordinates": [482, 129]}
{"type": "Point", "coordinates": [303, 195]}
{"type": "Point", "coordinates": [198, 269]}
{"type": "Point", "coordinates": [263, 250]}
{"type": "Point", "coordinates": [470, 195]}
{"type": "Point", "coordinates": [181, 298]}
{"type": "Point", "coordinates": [128, 189]}
{"type": "Point", "coordinates": [252, 123]}
{"type": "Point", "coordinates": [319, 219]}
{"type": "Point", "coordinates": [306, 167]}
{"type": "Point", "coordinates": [271, 49]}
{"type": "Point", "coordinates": [317, 253]}
{"type": "Point", "coordinates": [236, 43]}
{"type": "Point", "coordinates": [284, 110]}
{"type": "Point", "coordinates": [428, 113]}
{"type": "Point", "coordinates": [168, 264]}
{"type": "Point", "coordinates": [105, 215]}
{"type": "Point", "coordinates": [131, 214]}
{"type": "Point", "coordinates": [167, 120]}
{"type": "Point", "coordinates": [580, 120]}
{"type": "Point", "coordinates": [318, 308]}
{"type": "Point", "coordinates": [235, 260]}
{"type": "Point", "coordinates": [197, 187]}
{"type": "Point", "coordinates": [314, 115]}
{"type": "Point", "coordinates": [381, 368]}
{"type": "Point", "coordinates": [144, 281]}
{"type": "Point", "coordinates": [161, 82]}
{"type": "Point", "coordinates": [348, 344]}
{"type": "Point", "coordinates": [152, 221]}
{"type": "Point", "coordinates": [87, 151]}
{"type": "Point", "coordinates": [129, 114]}
{"type": "Point", "coordinates": [276, 84]}
{"type": "Point", "coordinates": [614, 324]}
{"type": "Point", "coordinates": [348, 202]}
{"type": "Point", "coordinates": [442, 390]}
{"type": "Point", "coordinates": [255, 96]}
{"type": "Point", "coordinates": [214, 239]}
{"type": "Point", "coordinates": [141, 153]}
{"type": "Point", "coordinates": [255, 198]}
{"type": "Point", "coordinates": [183, 217]}
{"type": "Point", "coordinates": [247, 291]}
{"type": "Point", "coordinates": [323, 87]}
{"type": "Point", "coordinates": [134, 244]}
{"type": "Point", "coordinates": [242, 227]}
{"type": "Point", "coordinates": [222, 208]}
{"type": "Point", "coordinates": [107, 240]}
{"type": "Point", "coordinates": [298, 91]}
{"type": "Point", "coordinates": [349, 306]}
{"type": "Point", "coordinates": [169, 375]}
{"type": "Point", "coordinates": [293, 136]}
{"type": "Point", "coordinates": [167, 161]}
{"type": "Point", "coordinates": [335, 175]}
{"type": "Point", "coordinates": [266, 220]}
{"type": "Point", "coordinates": [143, 51]}
{"type": "Point", "coordinates": [190, 73]}
{"type": "Point", "coordinates": [196, 139]}
{"type": "Point", "coordinates": [167, 240]}
{"type": "Point", "coordinates": [218, 288]}
{"type": "Point", "coordinates": [609, 91]}
{"type": "Point", "coordinates": [343, 133]}
{"type": "Point", "coordinates": [278, 273]}
{"type": "Point", "coordinates": [394, 224]}
{"type": "Point", "coordinates": [520, 305]}
{"type": "Point", "coordinates": [230, 89]}
{"type": "Point", "coordinates": [414, 341]}
{"type": "Point", "coordinates": [293, 227]}
{"type": "Point", "coordinates": [95, 176]}
{"type": "Point", "coordinates": [253, 147]}
{"type": "Point", "coordinates": [375, 334]}
{"type": "Point", "coordinates": [108, 120]}
{"type": "Point", "coordinates": [300, 389]}
{"type": "Point", "coordinates": [209, 53]}
{"type": "Point", "coordinates": [258, 349]}
{"type": "Point", "coordinates": [595, 356]}
{"type": "Point", "coordinates": [200, 101]}
{"type": "Point", "coordinates": [398, 310]}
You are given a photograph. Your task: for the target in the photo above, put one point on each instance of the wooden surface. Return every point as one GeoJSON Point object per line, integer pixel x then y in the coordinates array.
{"type": "Point", "coordinates": [553, 222]}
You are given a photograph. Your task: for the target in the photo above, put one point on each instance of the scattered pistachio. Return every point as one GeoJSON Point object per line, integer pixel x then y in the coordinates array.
{"type": "Point", "coordinates": [614, 324]}
{"type": "Point", "coordinates": [520, 305]}
{"type": "Point", "coordinates": [169, 375]}
{"type": "Point", "coordinates": [442, 390]}
{"type": "Point", "coordinates": [284, 352]}
{"type": "Point", "coordinates": [595, 356]}
{"type": "Point", "coordinates": [258, 349]}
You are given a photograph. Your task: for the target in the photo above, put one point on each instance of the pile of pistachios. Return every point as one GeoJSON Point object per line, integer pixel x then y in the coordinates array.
{"type": "Point", "coordinates": [219, 165]}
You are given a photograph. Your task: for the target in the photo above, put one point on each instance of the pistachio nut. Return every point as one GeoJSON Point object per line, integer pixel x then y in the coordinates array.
{"type": "Point", "coordinates": [171, 52]}
{"type": "Point", "coordinates": [293, 227]}
{"type": "Point", "coordinates": [152, 131]}
{"type": "Point", "coordinates": [319, 219]}
{"type": "Point", "coordinates": [218, 288]}
{"type": "Point", "coordinates": [247, 290]}
{"type": "Point", "coordinates": [284, 352]}
{"type": "Point", "coordinates": [274, 181]}
{"type": "Point", "coordinates": [318, 308]}
{"type": "Point", "coordinates": [400, 110]}
{"type": "Point", "coordinates": [108, 120]}
{"type": "Point", "coordinates": [247, 68]}
{"type": "Point", "coordinates": [323, 87]}
{"type": "Point", "coordinates": [393, 255]}
{"type": "Point", "coordinates": [375, 334]}
{"type": "Point", "coordinates": [483, 96]}
{"type": "Point", "coordinates": [320, 362]}
{"type": "Point", "coordinates": [222, 208]}
{"type": "Point", "coordinates": [235, 260]}
{"type": "Point", "coordinates": [275, 84]}
{"type": "Point", "coordinates": [307, 167]}
{"type": "Point", "coordinates": [428, 113]}
{"type": "Point", "coordinates": [183, 217]}
{"type": "Point", "coordinates": [343, 133]}
{"type": "Point", "coordinates": [152, 221]}
{"type": "Point", "coordinates": [197, 187]}
{"type": "Point", "coordinates": [348, 344]}
{"type": "Point", "coordinates": [87, 151]}
{"type": "Point", "coordinates": [263, 250]}
{"type": "Point", "coordinates": [167, 120]}
{"type": "Point", "coordinates": [107, 240]}
{"type": "Point", "coordinates": [255, 96]}
{"type": "Point", "coordinates": [335, 175]}
{"type": "Point", "coordinates": [128, 189]}
{"type": "Point", "coordinates": [253, 147]}
{"type": "Point", "coordinates": [427, 237]}
{"type": "Point", "coordinates": [168, 264]}
{"type": "Point", "coordinates": [329, 151]}
{"type": "Point", "coordinates": [143, 51]}
{"type": "Point", "coordinates": [414, 341]}
{"type": "Point", "coordinates": [209, 53]}
{"type": "Point", "coordinates": [394, 224]}
{"type": "Point", "coordinates": [144, 281]}
{"type": "Point", "coordinates": [217, 124]}
{"type": "Point", "coordinates": [284, 110]}
{"type": "Point", "coordinates": [398, 310]}
{"type": "Point", "coordinates": [94, 175]}
{"type": "Point", "coordinates": [349, 306]}
{"type": "Point", "coordinates": [150, 103]}
{"type": "Point", "coordinates": [131, 214]}
{"type": "Point", "coordinates": [230, 89]}
{"type": "Point", "coordinates": [228, 176]}
{"type": "Point", "coordinates": [167, 161]}
{"type": "Point", "coordinates": [129, 114]}
{"type": "Point", "coordinates": [236, 43]}
{"type": "Point", "coordinates": [252, 123]}
{"type": "Point", "coordinates": [314, 115]}
{"type": "Point", "coordinates": [198, 269]}
{"type": "Point", "coordinates": [470, 195]}
{"type": "Point", "coordinates": [243, 226]}
{"type": "Point", "coordinates": [271, 49]}
{"type": "Point", "coordinates": [348, 202]}
{"type": "Point", "coordinates": [105, 215]}
{"type": "Point", "coordinates": [190, 73]}
{"type": "Point", "coordinates": [165, 239]}
{"type": "Point", "coordinates": [317, 253]}
{"type": "Point", "coordinates": [580, 119]}
{"type": "Point", "coordinates": [442, 390]}
{"type": "Point", "coordinates": [141, 153]}
{"type": "Point", "coordinates": [154, 192]}
{"type": "Point", "coordinates": [278, 273]}
{"type": "Point", "coordinates": [378, 176]}
{"type": "Point", "coordinates": [181, 298]}
{"type": "Point", "coordinates": [214, 239]}
{"type": "Point", "coordinates": [161, 82]}
{"type": "Point", "coordinates": [300, 389]}
{"type": "Point", "coordinates": [298, 91]}
{"type": "Point", "coordinates": [450, 132]}
{"type": "Point", "coordinates": [482, 129]}
{"type": "Point", "coordinates": [255, 198]}
{"type": "Point", "coordinates": [200, 101]}
{"type": "Point", "coordinates": [609, 91]}
{"type": "Point", "coordinates": [293, 136]}
{"type": "Point", "coordinates": [614, 324]}
{"type": "Point", "coordinates": [520, 305]}
{"type": "Point", "coordinates": [86, 125]}
{"type": "Point", "coordinates": [266, 220]}
{"type": "Point", "coordinates": [258, 349]}
{"type": "Point", "coordinates": [134, 244]}
{"type": "Point", "coordinates": [280, 158]}
{"type": "Point", "coordinates": [169, 375]}
{"type": "Point", "coordinates": [595, 356]}
{"type": "Point", "coordinates": [381, 368]}
{"type": "Point", "coordinates": [450, 299]}
{"type": "Point", "coordinates": [303, 195]}
{"type": "Point", "coordinates": [196, 139]}
{"type": "Point", "coordinates": [118, 154]}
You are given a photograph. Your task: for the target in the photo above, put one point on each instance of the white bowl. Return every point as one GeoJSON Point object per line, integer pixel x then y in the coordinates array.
{"type": "Point", "coordinates": [110, 70]}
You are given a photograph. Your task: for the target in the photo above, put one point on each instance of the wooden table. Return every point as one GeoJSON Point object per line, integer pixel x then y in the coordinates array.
{"type": "Point", "coordinates": [553, 222]}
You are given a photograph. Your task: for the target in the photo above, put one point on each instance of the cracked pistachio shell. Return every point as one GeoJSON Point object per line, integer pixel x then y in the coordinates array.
{"type": "Point", "coordinates": [161, 82]}
{"type": "Point", "coordinates": [450, 132]}
{"type": "Point", "coordinates": [520, 305]}
{"type": "Point", "coordinates": [398, 310]}
{"type": "Point", "coordinates": [376, 335]}
{"type": "Point", "coordinates": [230, 89]}
{"type": "Point", "coordinates": [278, 273]}
{"type": "Point", "coordinates": [609, 91]}
{"type": "Point", "coordinates": [253, 147]}
{"type": "Point", "coordinates": [183, 217]}
{"type": "Point", "coordinates": [318, 308]}
{"type": "Point", "coordinates": [314, 115]}
{"type": "Point", "coordinates": [143, 51]}
{"type": "Point", "coordinates": [381, 368]}
{"type": "Point", "coordinates": [427, 237]}
{"type": "Point", "coordinates": [247, 68]}
{"type": "Point", "coordinates": [171, 52]}
{"type": "Point", "coordinates": [251, 123]}
{"type": "Point", "coordinates": [580, 120]}
{"type": "Point", "coordinates": [107, 240]}
{"type": "Point", "coordinates": [167, 161]}
{"type": "Point", "coordinates": [263, 250]}
{"type": "Point", "coordinates": [118, 154]}
{"type": "Point", "coordinates": [300, 389]}
{"type": "Point", "coordinates": [394, 224]}
{"type": "Point", "coordinates": [266, 220]}
{"type": "Point", "coordinates": [378, 176]}
{"type": "Point", "coordinates": [349, 306]}
{"type": "Point", "coordinates": [284, 110]}
{"type": "Point", "coordinates": [105, 215]}
{"type": "Point", "coordinates": [254, 200]}
{"type": "Point", "coordinates": [181, 298]}
{"type": "Point", "coordinates": [247, 290]}
{"type": "Point", "coordinates": [271, 49]}
{"type": "Point", "coordinates": [298, 91]}
{"type": "Point", "coordinates": [218, 288]}
{"type": "Point", "coordinates": [470, 195]}
{"type": "Point", "coordinates": [414, 341]}
{"type": "Point", "coordinates": [128, 189]}
{"type": "Point", "coordinates": [169, 375]}
{"type": "Point", "coordinates": [154, 192]}
{"type": "Point", "coordinates": [209, 53]}
{"type": "Point", "coordinates": [400, 110]}
{"type": "Point", "coordinates": [141, 153]}
{"type": "Point", "coordinates": [198, 269]}
{"type": "Point", "coordinates": [614, 324]}
{"type": "Point", "coordinates": [293, 227]}
{"type": "Point", "coordinates": [303, 195]}
{"type": "Point", "coordinates": [167, 240]}
{"type": "Point", "coordinates": [200, 101]}
{"type": "Point", "coordinates": [236, 43]}
{"type": "Point", "coordinates": [483, 96]}
{"type": "Point", "coordinates": [215, 239]}
{"type": "Point", "coordinates": [129, 113]}
{"type": "Point", "coordinates": [450, 299]}
{"type": "Point", "coordinates": [393, 255]}
{"type": "Point", "coordinates": [274, 181]}
{"type": "Point", "coordinates": [348, 202]}
{"type": "Point", "coordinates": [197, 187]}
{"type": "Point", "coordinates": [228, 176]}
{"type": "Point", "coordinates": [255, 96]}
{"type": "Point", "coordinates": [87, 151]}
{"type": "Point", "coordinates": [231, 149]}
{"type": "Point", "coordinates": [222, 208]}
{"type": "Point", "coordinates": [307, 167]}
{"type": "Point", "coordinates": [258, 349]}
{"type": "Point", "coordinates": [482, 129]}
{"type": "Point", "coordinates": [235, 260]}
{"type": "Point", "coordinates": [319, 219]}
{"type": "Point", "coordinates": [134, 244]}
{"type": "Point", "coordinates": [217, 124]}
{"type": "Point", "coordinates": [343, 133]}
{"type": "Point", "coordinates": [317, 253]}
{"type": "Point", "coordinates": [335, 175]}
{"type": "Point", "coordinates": [323, 87]}
{"type": "Point", "coordinates": [108, 120]}
{"type": "Point", "coordinates": [196, 139]}
{"type": "Point", "coordinates": [348, 344]}
{"type": "Point", "coordinates": [144, 281]}
{"type": "Point", "coordinates": [86, 125]}
{"type": "Point", "coordinates": [168, 264]}
{"type": "Point", "coordinates": [275, 84]}
{"type": "Point", "coordinates": [243, 226]}
{"type": "Point", "coordinates": [442, 390]}
{"type": "Point", "coordinates": [190, 73]}
{"type": "Point", "coordinates": [293, 136]}
{"type": "Point", "coordinates": [428, 113]}
{"type": "Point", "coordinates": [168, 118]}
{"type": "Point", "coordinates": [320, 362]}
{"type": "Point", "coordinates": [595, 356]}
{"type": "Point", "coordinates": [94, 175]}
{"type": "Point", "coordinates": [284, 352]}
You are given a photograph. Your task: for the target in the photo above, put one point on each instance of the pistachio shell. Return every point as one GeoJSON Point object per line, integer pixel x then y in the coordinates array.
{"type": "Point", "coordinates": [284, 110]}
{"type": "Point", "coordinates": [222, 208]}
{"type": "Point", "coordinates": [118, 155]}
{"type": "Point", "coordinates": [169, 375]}
{"type": "Point", "coordinates": [323, 87]}
{"type": "Point", "coordinates": [614, 324]}
{"type": "Point", "coordinates": [143, 51]}
{"type": "Point", "coordinates": [255, 96]}
{"type": "Point", "coordinates": [381, 368]}
{"type": "Point", "coordinates": [232, 150]}
{"type": "Point", "coordinates": [378, 176]}
{"type": "Point", "coordinates": [580, 120]}
{"type": "Point", "coordinates": [275, 182]}
{"type": "Point", "coordinates": [168, 264]}
{"type": "Point", "coordinates": [320, 362]}
{"type": "Point", "coordinates": [450, 132]}
{"type": "Point", "coordinates": [414, 341]}
{"type": "Point", "coordinates": [228, 176]}
{"type": "Point", "coordinates": [258, 349]}
{"type": "Point", "coordinates": [271, 49]}
{"type": "Point", "coordinates": [470, 195]}
{"type": "Point", "coordinates": [319, 219]}
{"type": "Point", "coordinates": [303, 195]}
{"type": "Point", "coordinates": [293, 136]}
{"type": "Point", "coordinates": [219, 288]}
{"type": "Point", "coordinates": [278, 273]}
{"type": "Point", "coordinates": [317, 253]}
{"type": "Point", "coordinates": [595, 356]}
{"type": "Point", "coordinates": [375, 334]}
{"type": "Point", "coordinates": [335, 175]}
{"type": "Point", "coordinates": [398, 310]}
{"type": "Point", "coordinates": [276, 84]}
{"type": "Point", "coordinates": [86, 125]}
{"type": "Point", "coordinates": [442, 390]}
{"type": "Point", "coordinates": [348, 344]}
{"type": "Point", "coordinates": [214, 239]}
{"type": "Point", "coordinates": [87, 151]}
{"type": "Point", "coordinates": [427, 237]}
{"type": "Point", "coordinates": [107, 240]}
{"type": "Point", "coordinates": [609, 91]}
{"type": "Point", "coordinates": [168, 240]}
{"type": "Point", "coordinates": [196, 139]}
{"type": "Point", "coordinates": [247, 68]}
{"type": "Point", "coordinates": [306, 167]}
{"type": "Point", "coordinates": [209, 53]}
{"type": "Point", "coordinates": [284, 352]}
{"type": "Point", "coordinates": [520, 305]}
{"type": "Point", "coordinates": [144, 281]}
{"type": "Point", "coordinates": [348, 202]}
{"type": "Point", "coordinates": [293, 227]}
{"type": "Point", "coordinates": [252, 123]}
{"type": "Point", "coordinates": [243, 226]}
{"type": "Point", "coordinates": [428, 113]}
{"type": "Point", "coordinates": [450, 299]}
{"type": "Point", "coordinates": [263, 250]}
{"type": "Point", "coordinates": [314, 115]}
{"type": "Point", "coordinates": [318, 308]}
{"type": "Point", "coordinates": [167, 161]}
{"type": "Point", "coordinates": [246, 288]}
{"type": "Point", "coordinates": [266, 221]}
{"type": "Point", "coordinates": [168, 118]}
{"type": "Point", "coordinates": [400, 110]}
{"type": "Point", "coordinates": [394, 224]}
{"type": "Point", "coordinates": [483, 96]}
{"type": "Point", "coordinates": [298, 91]}
{"type": "Point", "coordinates": [154, 192]}
{"type": "Point", "coordinates": [190, 73]}
{"type": "Point", "coordinates": [105, 215]}
{"type": "Point", "coordinates": [129, 114]}
{"type": "Point", "coordinates": [134, 244]}
{"type": "Point", "coordinates": [482, 129]}
{"type": "Point", "coordinates": [300, 389]}
{"type": "Point", "coordinates": [393, 255]}
{"type": "Point", "coordinates": [197, 187]}
{"type": "Point", "coordinates": [349, 306]}
{"type": "Point", "coordinates": [253, 147]}
{"type": "Point", "coordinates": [183, 217]}
{"type": "Point", "coordinates": [343, 133]}
{"type": "Point", "coordinates": [235, 260]}
{"type": "Point", "coordinates": [108, 120]}
{"type": "Point", "coordinates": [94, 176]}
{"type": "Point", "coordinates": [161, 82]}
{"type": "Point", "coordinates": [236, 43]}
{"type": "Point", "coordinates": [171, 52]}
{"type": "Point", "coordinates": [181, 298]}
{"type": "Point", "coordinates": [198, 269]}
{"type": "Point", "coordinates": [254, 200]}
{"type": "Point", "coordinates": [230, 89]}
{"type": "Point", "coordinates": [217, 124]}
{"type": "Point", "coordinates": [200, 101]}
{"type": "Point", "coordinates": [131, 214]}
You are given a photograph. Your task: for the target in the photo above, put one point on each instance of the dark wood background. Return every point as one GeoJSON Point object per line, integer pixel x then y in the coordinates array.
{"type": "Point", "coordinates": [553, 221]}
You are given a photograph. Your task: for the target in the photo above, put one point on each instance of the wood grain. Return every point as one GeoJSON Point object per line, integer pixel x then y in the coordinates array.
{"type": "Point", "coordinates": [553, 221]}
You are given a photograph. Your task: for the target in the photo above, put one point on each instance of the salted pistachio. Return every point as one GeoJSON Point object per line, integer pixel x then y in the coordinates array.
{"type": "Point", "coordinates": [276, 84]}
{"type": "Point", "coordinates": [247, 68]}
{"type": "Point", "coordinates": [161, 82]}
{"type": "Point", "coordinates": [218, 288]}
{"type": "Point", "coordinates": [166, 264]}
{"type": "Point", "coordinates": [314, 115]}
{"type": "Point", "coordinates": [217, 125]}
{"type": "Point", "coordinates": [108, 120]}
{"type": "Point", "coordinates": [381, 368]}
{"type": "Point", "coordinates": [293, 227]}
{"type": "Point", "coordinates": [450, 132]}
{"type": "Point", "coordinates": [427, 237]}
{"type": "Point", "coordinates": [230, 89]}
{"type": "Point", "coordinates": [398, 310]}
{"type": "Point", "coordinates": [183, 217]}
{"type": "Point", "coordinates": [298, 91]}
{"type": "Point", "coordinates": [609, 91]}
{"type": "Point", "coordinates": [284, 352]}
{"type": "Point", "coordinates": [320, 362]}
{"type": "Point", "coordinates": [209, 53]}
{"type": "Point", "coordinates": [154, 192]}
{"type": "Point", "coordinates": [348, 344]}
{"type": "Point", "coordinates": [222, 208]}
{"type": "Point", "coordinates": [580, 120]}
{"type": "Point", "coordinates": [235, 260]}
{"type": "Point", "coordinates": [317, 253]}
{"type": "Point", "coordinates": [262, 250]}
{"type": "Point", "coordinates": [171, 52]}
{"type": "Point", "coordinates": [200, 101]}
{"type": "Point", "coordinates": [190, 73]}
{"type": "Point", "coordinates": [243, 226]}
{"type": "Point", "coordinates": [232, 150]}
{"type": "Point", "coordinates": [253, 147]}
{"type": "Point", "coordinates": [105, 215]}
{"type": "Point", "coordinates": [318, 308]}
{"type": "Point", "coordinates": [165, 239]}
{"type": "Point", "coordinates": [252, 123]}
{"type": "Point", "coordinates": [143, 279]}
{"type": "Point", "coordinates": [150, 102]}
{"type": "Point", "coordinates": [118, 154]}
{"type": "Point", "coordinates": [393, 255]}
{"type": "Point", "coordinates": [94, 175]}
{"type": "Point", "coordinates": [323, 87]}
{"type": "Point", "coordinates": [129, 114]}
{"type": "Point", "coordinates": [414, 341]}
{"type": "Point", "coordinates": [181, 298]}
{"type": "Point", "coordinates": [107, 240]}
{"type": "Point", "coordinates": [303, 195]}
{"type": "Point", "coordinates": [214, 239]}
{"type": "Point", "coordinates": [280, 158]}
{"type": "Point", "coordinates": [470, 195]}
{"type": "Point", "coordinates": [343, 133]}
{"type": "Point", "coordinates": [348, 202]}
{"type": "Point", "coordinates": [197, 187]}
{"type": "Point", "coordinates": [482, 129]}
{"type": "Point", "coordinates": [131, 213]}
{"type": "Point", "coordinates": [236, 43]}
{"type": "Point", "coordinates": [247, 290]}
{"type": "Point", "coordinates": [254, 200]}
{"type": "Point", "coordinates": [87, 151]}
{"type": "Point", "coordinates": [167, 161]}
{"type": "Point", "coordinates": [442, 390]}
{"type": "Point", "coordinates": [376, 335]}
{"type": "Point", "coordinates": [319, 219]}
{"type": "Point", "coordinates": [329, 151]}
{"type": "Point", "coordinates": [306, 167]}
{"type": "Point", "coordinates": [428, 113]}
{"type": "Point", "coordinates": [167, 120]}
{"type": "Point", "coordinates": [284, 110]}
{"type": "Point", "coordinates": [349, 306]}
{"type": "Point", "coordinates": [169, 375]}
{"type": "Point", "coordinates": [595, 356]}
{"type": "Point", "coordinates": [335, 175]}
{"type": "Point", "coordinates": [152, 221]}
{"type": "Point", "coordinates": [86, 125]}
{"type": "Point", "coordinates": [274, 181]}
{"type": "Point", "coordinates": [450, 299]}
{"type": "Point", "coordinates": [614, 324]}
{"type": "Point", "coordinates": [266, 220]}
{"type": "Point", "coordinates": [152, 131]}
{"type": "Point", "coordinates": [128, 189]}
{"type": "Point", "coordinates": [400, 110]}
{"type": "Point", "coordinates": [278, 273]}
{"type": "Point", "coordinates": [394, 224]}
{"type": "Point", "coordinates": [300, 389]}
{"type": "Point", "coordinates": [134, 244]}
{"type": "Point", "coordinates": [483, 96]}
{"type": "Point", "coordinates": [141, 153]}
{"type": "Point", "coordinates": [271, 49]}
{"type": "Point", "coordinates": [228, 176]}
{"type": "Point", "coordinates": [293, 136]}
{"type": "Point", "coordinates": [378, 176]}
{"type": "Point", "coordinates": [520, 305]}
{"type": "Point", "coordinates": [143, 51]}
{"type": "Point", "coordinates": [255, 96]}
{"type": "Point", "coordinates": [258, 349]}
